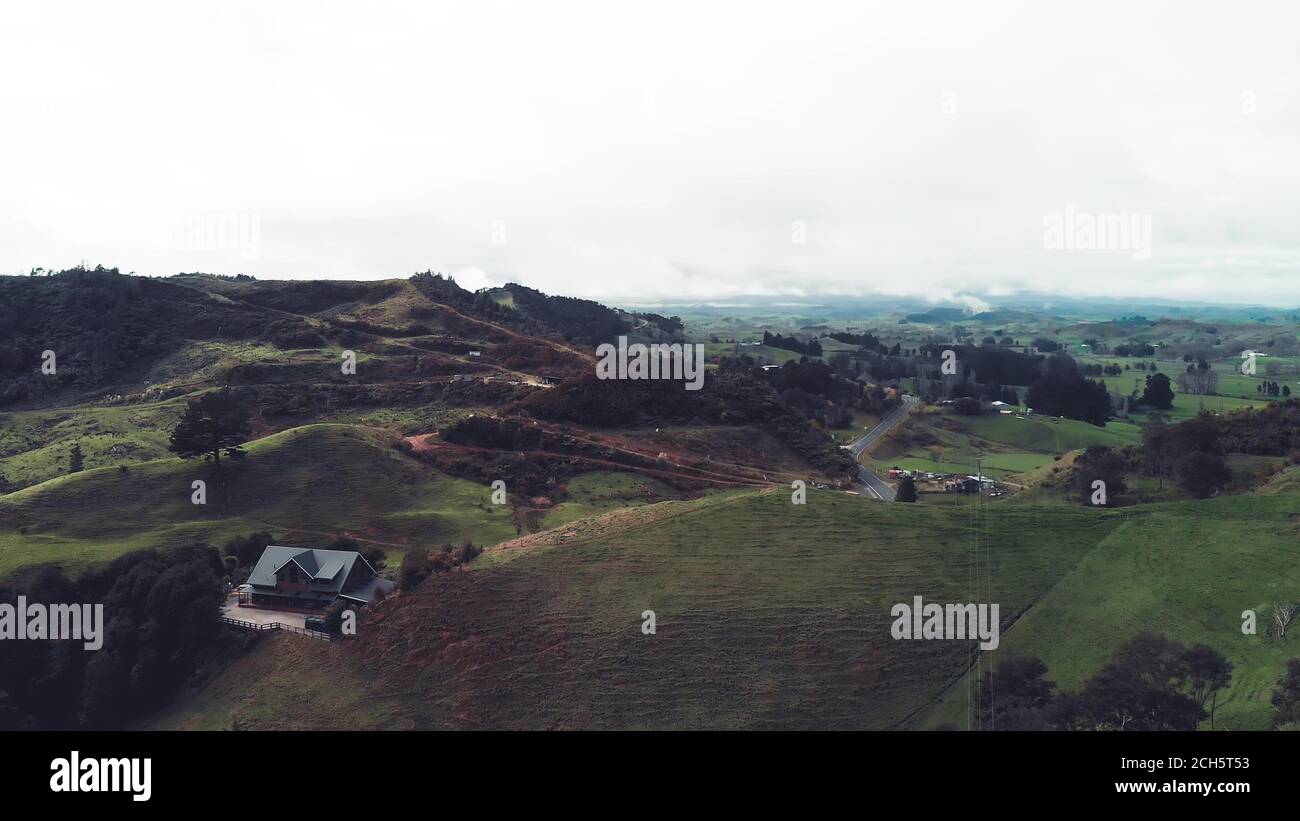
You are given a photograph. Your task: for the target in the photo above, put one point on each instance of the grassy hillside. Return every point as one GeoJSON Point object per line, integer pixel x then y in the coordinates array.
{"type": "Point", "coordinates": [768, 615]}
{"type": "Point", "coordinates": [594, 493]}
{"type": "Point", "coordinates": [1186, 569]}
{"type": "Point", "coordinates": [34, 445]}
{"type": "Point", "coordinates": [1048, 435]}
{"type": "Point", "coordinates": [949, 443]}
{"type": "Point", "coordinates": [307, 483]}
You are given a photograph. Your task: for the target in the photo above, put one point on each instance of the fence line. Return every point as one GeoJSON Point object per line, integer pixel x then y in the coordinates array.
{"type": "Point", "coordinates": [275, 625]}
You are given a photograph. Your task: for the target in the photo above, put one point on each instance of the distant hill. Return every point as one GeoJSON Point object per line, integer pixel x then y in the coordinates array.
{"type": "Point", "coordinates": [939, 315]}
{"type": "Point", "coordinates": [108, 330]}
{"type": "Point", "coordinates": [104, 328]}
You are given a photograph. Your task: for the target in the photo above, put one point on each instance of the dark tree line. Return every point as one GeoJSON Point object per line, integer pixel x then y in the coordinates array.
{"type": "Point", "coordinates": [1064, 391]}
{"type": "Point", "coordinates": [998, 365]}
{"type": "Point", "coordinates": [792, 343]}
{"type": "Point", "coordinates": [161, 626]}
{"type": "Point", "coordinates": [1151, 683]}
{"type": "Point", "coordinates": [1270, 431]}
{"type": "Point", "coordinates": [1135, 349]}
{"type": "Point", "coordinates": [1094, 369]}
{"type": "Point", "coordinates": [866, 341]}
{"type": "Point", "coordinates": [1191, 453]}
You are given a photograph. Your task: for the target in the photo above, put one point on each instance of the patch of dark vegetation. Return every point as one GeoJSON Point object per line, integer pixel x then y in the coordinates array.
{"type": "Point", "coordinates": [1270, 431]}
{"type": "Point", "coordinates": [534, 461]}
{"type": "Point", "coordinates": [792, 343]}
{"type": "Point", "coordinates": [575, 320]}
{"type": "Point", "coordinates": [375, 329]}
{"type": "Point", "coordinates": [161, 634]}
{"type": "Point", "coordinates": [399, 366]}
{"type": "Point", "coordinates": [669, 325]}
{"type": "Point", "coordinates": [865, 340]}
{"type": "Point", "coordinates": [418, 565]}
{"type": "Point", "coordinates": [477, 393]}
{"type": "Point", "coordinates": [1057, 385]}
{"type": "Point", "coordinates": [1191, 453]}
{"type": "Point", "coordinates": [735, 394]}
{"type": "Point", "coordinates": [536, 357]}
{"type": "Point", "coordinates": [314, 400]}
{"type": "Point", "coordinates": [438, 288]}
{"type": "Point", "coordinates": [1152, 683]}
{"type": "Point", "coordinates": [814, 389]}
{"type": "Point", "coordinates": [1101, 464]}
{"type": "Point", "coordinates": [526, 475]}
{"type": "Point", "coordinates": [313, 296]}
{"type": "Point", "coordinates": [103, 326]}
{"type": "Point", "coordinates": [1064, 391]}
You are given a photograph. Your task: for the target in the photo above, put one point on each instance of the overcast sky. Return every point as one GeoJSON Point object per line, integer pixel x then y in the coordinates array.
{"type": "Point", "coordinates": [661, 150]}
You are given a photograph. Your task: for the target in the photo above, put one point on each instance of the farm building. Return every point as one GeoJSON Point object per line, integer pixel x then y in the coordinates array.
{"type": "Point", "coordinates": [297, 578]}
{"type": "Point", "coordinates": [969, 484]}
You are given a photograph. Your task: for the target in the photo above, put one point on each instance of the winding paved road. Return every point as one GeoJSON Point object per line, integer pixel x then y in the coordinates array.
{"type": "Point", "coordinates": [876, 487]}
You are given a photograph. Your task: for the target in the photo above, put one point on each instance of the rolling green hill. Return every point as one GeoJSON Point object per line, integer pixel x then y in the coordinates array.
{"type": "Point", "coordinates": [314, 481]}
{"type": "Point", "coordinates": [1007, 444]}
{"type": "Point", "coordinates": [34, 445]}
{"type": "Point", "coordinates": [769, 615]}
{"type": "Point", "coordinates": [1047, 435]}
{"type": "Point", "coordinates": [774, 616]}
{"type": "Point", "coordinates": [1185, 569]}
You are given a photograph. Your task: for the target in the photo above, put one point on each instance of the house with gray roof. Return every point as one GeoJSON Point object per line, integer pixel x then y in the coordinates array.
{"type": "Point", "coordinates": [307, 578]}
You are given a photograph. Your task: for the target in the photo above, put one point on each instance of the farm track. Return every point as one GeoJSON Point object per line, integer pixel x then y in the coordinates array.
{"type": "Point", "coordinates": [624, 520]}
{"type": "Point", "coordinates": [754, 474]}
{"type": "Point", "coordinates": [420, 444]}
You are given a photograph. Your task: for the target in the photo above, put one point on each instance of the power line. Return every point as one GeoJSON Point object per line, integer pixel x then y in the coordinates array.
{"type": "Point", "coordinates": [981, 595]}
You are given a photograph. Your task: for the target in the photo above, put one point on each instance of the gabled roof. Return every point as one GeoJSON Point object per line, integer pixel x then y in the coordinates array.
{"type": "Point", "coordinates": [366, 593]}
{"type": "Point", "coordinates": [328, 568]}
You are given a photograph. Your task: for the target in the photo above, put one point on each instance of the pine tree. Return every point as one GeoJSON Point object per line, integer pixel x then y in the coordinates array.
{"type": "Point", "coordinates": [214, 423]}
{"type": "Point", "coordinates": [76, 459]}
{"type": "Point", "coordinates": [906, 490]}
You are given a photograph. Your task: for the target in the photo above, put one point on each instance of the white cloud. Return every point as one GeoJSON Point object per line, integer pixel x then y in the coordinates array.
{"type": "Point", "coordinates": [475, 278]}
{"type": "Point", "coordinates": [664, 150]}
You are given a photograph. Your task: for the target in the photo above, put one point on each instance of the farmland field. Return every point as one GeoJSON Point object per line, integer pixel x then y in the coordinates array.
{"type": "Point", "coordinates": [769, 615]}
{"type": "Point", "coordinates": [1184, 569]}
{"type": "Point", "coordinates": [1006, 444]}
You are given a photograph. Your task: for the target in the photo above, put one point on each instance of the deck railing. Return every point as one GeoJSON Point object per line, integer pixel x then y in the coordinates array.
{"type": "Point", "coordinates": [275, 625]}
